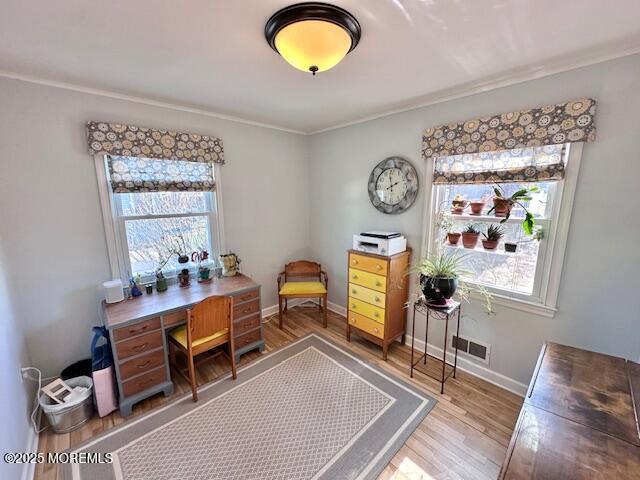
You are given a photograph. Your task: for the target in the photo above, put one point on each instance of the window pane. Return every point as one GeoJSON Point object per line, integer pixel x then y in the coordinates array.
{"type": "Point", "coordinates": [152, 241]}
{"type": "Point", "coordinates": [158, 203]}
{"type": "Point", "coordinates": [500, 269]}
{"type": "Point", "coordinates": [539, 206]}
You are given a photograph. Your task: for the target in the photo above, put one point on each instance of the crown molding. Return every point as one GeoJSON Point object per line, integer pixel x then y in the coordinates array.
{"type": "Point", "coordinates": [142, 100]}
{"type": "Point", "coordinates": [512, 77]}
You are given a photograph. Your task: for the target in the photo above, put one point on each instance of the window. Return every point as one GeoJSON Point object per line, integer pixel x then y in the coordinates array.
{"type": "Point", "coordinates": [530, 275]}
{"type": "Point", "coordinates": [146, 230]}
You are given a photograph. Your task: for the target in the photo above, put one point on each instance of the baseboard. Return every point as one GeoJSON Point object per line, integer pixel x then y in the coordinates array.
{"type": "Point", "coordinates": [464, 364]}
{"type": "Point", "coordinates": [29, 469]}
{"type": "Point", "coordinates": [273, 309]}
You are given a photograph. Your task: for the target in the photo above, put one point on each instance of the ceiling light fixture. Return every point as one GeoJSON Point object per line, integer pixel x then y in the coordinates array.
{"type": "Point", "coordinates": [312, 36]}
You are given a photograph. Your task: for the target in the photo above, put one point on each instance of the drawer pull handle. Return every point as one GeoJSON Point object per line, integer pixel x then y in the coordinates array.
{"type": "Point", "coordinates": [378, 284]}
{"type": "Point", "coordinates": [246, 310]}
{"type": "Point", "coordinates": [354, 291]}
{"type": "Point", "coordinates": [377, 299]}
{"type": "Point", "coordinates": [355, 262]}
{"type": "Point", "coordinates": [355, 277]}
{"type": "Point", "coordinates": [375, 330]}
{"type": "Point", "coordinates": [134, 330]}
{"type": "Point", "coordinates": [145, 364]}
{"type": "Point", "coordinates": [376, 314]}
{"type": "Point", "coordinates": [378, 266]}
{"type": "Point", "coordinates": [145, 382]}
{"type": "Point", "coordinates": [353, 306]}
{"type": "Point", "coordinates": [140, 347]}
{"type": "Point", "coordinates": [353, 320]}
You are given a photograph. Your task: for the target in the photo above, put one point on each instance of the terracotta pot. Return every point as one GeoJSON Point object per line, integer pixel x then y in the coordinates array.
{"type": "Point", "coordinates": [458, 206]}
{"type": "Point", "coordinates": [470, 240]}
{"type": "Point", "coordinates": [489, 244]}
{"type": "Point", "coordinates": [453, 238]}
{"type": "Point", "coordinates": [477, 207]}
{"type": "Point", "coordinates": [502, 206]}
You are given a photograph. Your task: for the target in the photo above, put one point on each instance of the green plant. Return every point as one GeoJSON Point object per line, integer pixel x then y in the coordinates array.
{"type": "Point", "coordinates": [449, 265]}
{"type": "Point", "coordinates": [522, 195]}
{"type": "Point", "coordinates": [494, 233]}
{"type": "Point", "coordinates": [471, 228]}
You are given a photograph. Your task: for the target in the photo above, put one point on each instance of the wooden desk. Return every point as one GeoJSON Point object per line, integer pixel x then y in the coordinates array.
{"type": "Point", "coordinates": [138, 327]}
{"type": "Point", "coordinates": [579, 419]}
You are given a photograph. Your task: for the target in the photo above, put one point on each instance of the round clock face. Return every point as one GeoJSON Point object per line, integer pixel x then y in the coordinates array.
{"type": "Point", "coordinates": [393, 185]}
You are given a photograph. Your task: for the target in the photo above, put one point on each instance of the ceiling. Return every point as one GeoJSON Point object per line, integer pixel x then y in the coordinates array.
{"type": "Point", "coordinates": [212, 55]}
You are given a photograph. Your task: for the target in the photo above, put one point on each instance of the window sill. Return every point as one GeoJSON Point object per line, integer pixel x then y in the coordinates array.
{"type": "Point", "coordinates": [518, 304]}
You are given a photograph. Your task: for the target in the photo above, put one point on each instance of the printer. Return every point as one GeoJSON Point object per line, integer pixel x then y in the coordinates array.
{"type": "Point", "coordinates": [380, 243]}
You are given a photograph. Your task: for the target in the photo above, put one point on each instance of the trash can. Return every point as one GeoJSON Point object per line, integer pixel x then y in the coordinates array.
{"type": "Point", "coordinates": [65, 417]}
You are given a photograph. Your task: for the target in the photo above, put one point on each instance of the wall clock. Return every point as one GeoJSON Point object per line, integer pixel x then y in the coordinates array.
{"type": "Point", "coordinates": [393, 185]}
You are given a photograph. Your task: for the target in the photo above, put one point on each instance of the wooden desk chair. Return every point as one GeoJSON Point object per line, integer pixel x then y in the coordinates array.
{"type": "Point", "coordinates": [209, 325]}
{"type": "Point", "coordinates": [303, 269]}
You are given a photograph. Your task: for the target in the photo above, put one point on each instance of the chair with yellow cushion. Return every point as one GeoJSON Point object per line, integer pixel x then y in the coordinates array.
{"type": "Point", "coordinates": [209, 325]}
{"type": "Point", "coordinates": [302, 279]}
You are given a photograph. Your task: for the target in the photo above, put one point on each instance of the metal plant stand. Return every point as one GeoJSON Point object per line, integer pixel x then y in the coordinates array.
{"type": "Point", "coordinates": [442, 313]}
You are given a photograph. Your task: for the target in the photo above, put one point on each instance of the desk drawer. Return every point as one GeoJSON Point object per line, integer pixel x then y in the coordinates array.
{"type": "Point", "coordinates": [368, 264]}
{"type": "Point", "coordinates": [141, 344]}
{"type": "Point", "coordinates": [366, 324]}
{"type": "Point", "coordinates": [245, 324]}
{"type": "Point", "coordinates": [148, 380]}
{"type": "Point", "coordinates": [142, 364]}
{"type": "Point", "coordinates": [136, 329]}
{"type": "Point", "coordinates": [366, 309]}
{"type": "Point", "coordinates": [246, 309]}
{"type": "Point", "coordinates": [369, 280]}
{"type": "Point", "coordinates": [366, 295]}
{"type": "Point", "coordinates": [246, 296]}
{"type": "Point", "coordinates": [246, 339]}
{"type": "Point", "coordinates": [174, 318]}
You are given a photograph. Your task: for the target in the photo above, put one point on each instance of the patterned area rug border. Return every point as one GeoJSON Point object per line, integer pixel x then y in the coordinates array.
{"type": "Point", "coordinates": [369, 447]}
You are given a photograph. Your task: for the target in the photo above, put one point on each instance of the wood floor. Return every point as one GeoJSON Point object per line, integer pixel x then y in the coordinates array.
{"type": "Point", "coordinates": [464, 437]}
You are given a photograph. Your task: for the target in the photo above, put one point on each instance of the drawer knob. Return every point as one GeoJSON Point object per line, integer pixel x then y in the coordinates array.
{"type": "Point", "coordinates": [355, 277]}
{"type": "Point", "coordinates": [376, 314]}
{"type": "Point", "coordinates": [353, 306]}
{"type": "Point", "coordinates": [353, 320]}
{"type": "Point", "coordinates": [377, 299]}
{"type": "Point", "coordinates": [378, 284]}
{"type": "Point", "coordinates": [355, 262]}
{"type": "Point", "coordinates": [375, 330]}
{"type": "Point", "coordinates": [354, 291]}
{"type": "Point", "coordinates": [378, 266]}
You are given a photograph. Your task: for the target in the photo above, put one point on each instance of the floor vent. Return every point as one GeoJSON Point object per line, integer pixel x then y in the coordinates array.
{"type": "Point", "coordinates": [472, 347]}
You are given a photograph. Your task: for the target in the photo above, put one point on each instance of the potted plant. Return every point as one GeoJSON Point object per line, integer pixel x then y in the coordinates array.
{"type": "Point", "coordinates": [440, 278]}
{"type": "Point", "coordinates": [203, 270]}
{"type": "Point", "coordinates": [453, 237]}
{"type": "Point", "coordinates": [502, 205]}
{"type": "Point", "coordinates": [161, 282]}
{"type": "Point", "coordinates": [492, 237]}
{"type": "Point", "coordinates": [183, 277]}
{"type": "Point", "coordinates": [458, 204]}
{"type": "Point", "coordinates": [477, 206]}
{"type": "Point", "coordinates": [470, 236]}
{"type": "Point", "coordinates": [511, 247]}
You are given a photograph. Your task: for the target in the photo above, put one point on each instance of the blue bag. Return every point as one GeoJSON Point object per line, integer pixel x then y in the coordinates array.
{"type": "Point", "coordinates": [101, 356]}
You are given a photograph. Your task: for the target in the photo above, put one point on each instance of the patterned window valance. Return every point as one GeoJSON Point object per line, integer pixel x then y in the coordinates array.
{"type": "Point", "coordinates": [552, 125]}
{"type": "Point", "coordinates": [137, 174]}
{"type": "Point", "coordinates": [530, 164]}
{"type": "Point", "coordinates": [131, 141]}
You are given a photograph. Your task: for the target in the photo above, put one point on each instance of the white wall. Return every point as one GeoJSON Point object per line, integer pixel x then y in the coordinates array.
{"type": "Point", "coordinates": [15, 401]}
{"type": "Point", "coordinates": [50, 218]}
{"type": "Point", "coordinates": [598, 299]}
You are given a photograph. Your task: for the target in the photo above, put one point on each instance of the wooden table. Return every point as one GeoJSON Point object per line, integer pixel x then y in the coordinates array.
{"type": "Point", "coordinates": [138, 327]}
{"type": "Point", "coordinates": [579, 419]}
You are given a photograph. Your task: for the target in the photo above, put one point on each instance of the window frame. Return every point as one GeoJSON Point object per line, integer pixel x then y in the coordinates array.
{"type": "Point", "coordinates": [549, 265]}
{"type": "Point", "coordinates": [115, 233]}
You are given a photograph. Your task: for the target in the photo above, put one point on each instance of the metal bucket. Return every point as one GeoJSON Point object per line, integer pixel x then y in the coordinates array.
{"type": "Point", "coordinates": [64, 418]}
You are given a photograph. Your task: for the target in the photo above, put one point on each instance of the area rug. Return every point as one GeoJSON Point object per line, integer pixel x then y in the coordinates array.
{"type": "Point", "coordinates": [310, 410]}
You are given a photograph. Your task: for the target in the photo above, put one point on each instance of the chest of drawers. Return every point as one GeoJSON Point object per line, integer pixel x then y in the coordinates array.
{"type": "Point", "coordinates": [377, 292]}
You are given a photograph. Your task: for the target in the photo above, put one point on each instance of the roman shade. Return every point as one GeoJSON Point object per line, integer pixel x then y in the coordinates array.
{"type": "Point", "coordinates": [513, 146]}
{"type": "Point", "coordinates": [141, 159]}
